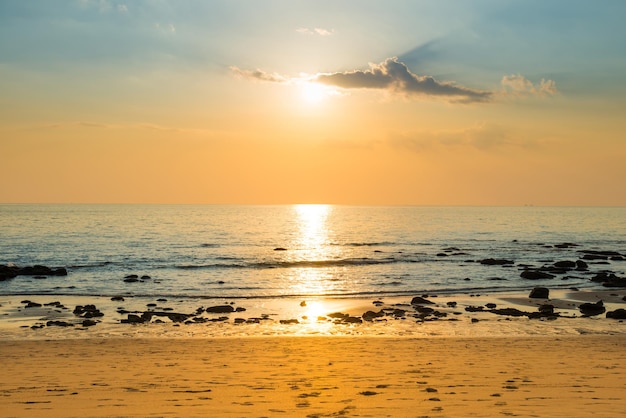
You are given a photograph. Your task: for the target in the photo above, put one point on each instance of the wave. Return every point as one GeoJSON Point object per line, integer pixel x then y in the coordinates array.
{"type": "Point", "coordinates": [346, 262]}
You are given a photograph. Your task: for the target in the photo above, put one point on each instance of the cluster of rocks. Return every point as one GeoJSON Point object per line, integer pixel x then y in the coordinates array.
{"type": "Point", "coordinates": [141, 317]}
{"type": "Point", "coordinates": [564, 267]}
{"type": "Point", "coordinates": [86, 313]}
{"type": "Point", "coordinates": [9, 271]}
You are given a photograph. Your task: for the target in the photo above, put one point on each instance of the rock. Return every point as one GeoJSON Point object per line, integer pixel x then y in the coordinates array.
{"type": "Point", "coordinates": [8, 272]}
{"type": "Point", "coordinates": [88, 323]}
{"type": "Point", "coordinates": [303, 303]}
{"type": "Point", "coordinates": [132, 319]}
{"type": "Point", "coordinates": [509, 312]}
{"type": "Point", "coordinates": [451, 304]}
{"type": "Point", "coordinates": [87, 311]}
{"type": "Point", "coordinates": [352, 320]}
{"type": "Point", "coordinates": [145, 277]}
{"type": "Point", "coordinates": [117, 298]}
{"type": "Point", "coordinates": [581, 265]}
{"type": "Point", "coordinates": [418, 300]}
{"type": "Point", "coordinates": [289, 321]}
{"type": "Point", "coordinates": [536, 275]}
{"type": "Point", "coordinates": [131, 280]}
{"type": "Point", "coordinates": [617, 314]}
{"type": "Point", "coordinates": [33, 305]}
{"type": "Point", "coordinates": [371, 315]}
{"type": "Point", "coordinates": [131, 276]}
{"type": "Point", "coordinates": [609, 279]}
{"type": "Point", "coordinates": [592, 309]}
{"type": "Point", "coordinates": [220, 309]}
{"type": "Point", "coordinates": [280, 249]}
{"type": "Point", "coordinates": [546, 309]}
{"type": "Point", "coordinates": [496, 261]}
{"type": "Point", "coordinates": [539, 293]}
{"type": "Point", "coordinates": [565, 264]}
{"type": "Point", "coordinates": [490, 305]}
{"type": "Point", "coordinates": [59, 324]}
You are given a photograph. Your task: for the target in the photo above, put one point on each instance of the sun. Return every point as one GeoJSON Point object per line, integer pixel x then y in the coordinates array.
{"type": "Point", "coordinates": [315, 93]}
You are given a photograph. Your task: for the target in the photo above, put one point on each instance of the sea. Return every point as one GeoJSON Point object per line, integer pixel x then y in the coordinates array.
{"type": "Point", "coordinates": [294, 251]}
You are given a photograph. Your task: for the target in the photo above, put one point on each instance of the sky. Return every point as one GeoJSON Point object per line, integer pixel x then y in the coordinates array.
{"type": "Point", "coordinates": [359, 102]}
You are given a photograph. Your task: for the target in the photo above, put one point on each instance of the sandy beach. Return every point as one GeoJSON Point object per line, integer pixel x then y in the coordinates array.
{"type": "Point", "coordinates": [316, 377]}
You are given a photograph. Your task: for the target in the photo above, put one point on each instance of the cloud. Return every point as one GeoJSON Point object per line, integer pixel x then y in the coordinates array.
{"type": "Point", "coordinates": [259, 75]}
{"type": "Point", "coordinates": [394, 76]}
{"type": "Point", "coordinates": [315, 31]}
{"type": "Point", "coordinates": [518, 85]}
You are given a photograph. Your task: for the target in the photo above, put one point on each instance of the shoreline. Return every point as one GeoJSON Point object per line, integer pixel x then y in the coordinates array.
{"type": "Point", "coordinates": [40, 317]}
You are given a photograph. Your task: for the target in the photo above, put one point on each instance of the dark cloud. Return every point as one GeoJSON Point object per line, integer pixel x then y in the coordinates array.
{"type": "Point", "coordinates": [394, 76]}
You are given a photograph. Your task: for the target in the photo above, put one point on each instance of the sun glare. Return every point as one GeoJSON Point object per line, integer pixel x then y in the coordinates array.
{"type": "Point", "coordinates": [315, 93]}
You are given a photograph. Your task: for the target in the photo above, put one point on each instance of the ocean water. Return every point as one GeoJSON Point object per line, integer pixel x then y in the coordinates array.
{"type": "Point", "coordinates": [286, 251]}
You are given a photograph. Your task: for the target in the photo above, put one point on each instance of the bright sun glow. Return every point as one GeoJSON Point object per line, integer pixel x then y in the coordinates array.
{"type": "Point", "coordinates": [315, 93]}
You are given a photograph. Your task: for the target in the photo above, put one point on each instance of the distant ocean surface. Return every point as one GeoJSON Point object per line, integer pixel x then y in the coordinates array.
{"type": "Point", "coordinates": [301, 250]}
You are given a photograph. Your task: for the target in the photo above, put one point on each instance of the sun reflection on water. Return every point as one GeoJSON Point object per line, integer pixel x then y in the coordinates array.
{"type": "Point", "coordinates": [313, 244]}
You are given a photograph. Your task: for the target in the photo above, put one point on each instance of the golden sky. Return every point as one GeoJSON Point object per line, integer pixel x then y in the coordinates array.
{"type": "Point", "coordinates": [351, 102]}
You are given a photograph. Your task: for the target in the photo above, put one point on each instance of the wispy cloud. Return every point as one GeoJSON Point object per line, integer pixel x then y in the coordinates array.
{"type": "Point", "coordinates": [518, 85]}
{"type": "Point", "coordinates": [394, 77]}
{"type": "Point", "coordinates": [315, 31]}
{"type": "Point", "coordinates": [259, 75]}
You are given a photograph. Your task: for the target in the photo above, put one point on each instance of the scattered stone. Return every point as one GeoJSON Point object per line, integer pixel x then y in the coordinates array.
{"type": "Point", "coordinates": [220, 309]}
{"type": "Point", "coordinates": [592, 309]}
{"type": "Point", "coordinates": [490, 305]}
{"type": "Point", "coordinates": [280, 249]}
{"type": "Point", "coordinates": [536, 275]}
{"type": "Point", "coordinates": [609, 279]}
{"type": "Point", "coordinates": [496, 261]}
{"type": "Point", "coordinates": [418, 300]}
{"type": "Point", "coordinates": [145, 277]}
{"type": "Point", "coordinates": [371, 315]}
{"type": "Point", "coordinates": [451, 304]}
{"type": "Point", "coordinates": [617, 314]}
{"type": "Point", "coordinates": [565, 264]}
{"type": "Point", "coordinates": [509, 312]}
{"type": "Point", "coordinates": [30, 304]}
{"type": "Point", "coordinates": [539, 293]}
{"type": "Point", "coordinates": [368, 393]}
{"type": "Point", "coordinates": [289, 321]}
{"type": "Point", "coordinates": [59, 324]}
{"type": "Point", "coordinates": [131, 276]}
{"type": "Point", "coordinates": [88, 323]}
{"type": "Point", "coordinates": [474, 308]}
{"type": "Point", "coordinates": [303, 303]}
{"type": "Point", "coordinates": [117, 299]}
{"type": "Point", "coordinates": [87, 311]}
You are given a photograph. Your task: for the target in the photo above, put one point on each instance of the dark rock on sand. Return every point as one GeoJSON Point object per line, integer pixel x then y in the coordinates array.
{"type": "Point", "coordinates": [220, 309]}
{"type": "Point", "coordinates": [132, 319]}
{"type": "Point", "coordinates": [88, 323]}
{"type": "Point", "coordinates": [418, 300]}
{"type": "Point", "coordinates": [59, 324]}
{"type": "Point", "coordinates": [117, 299]}
{"type": "Point", "coordinates": [509, 312]}
{"type": "Point", "coordinates": [592, 309]}
{"type": "Point", "coordinates": [280, 249]}
{"type": "Point", "coordinates": [289, 321]}
{"type": "Point", "coordinates": [87, 311]}
{"type": "Point", "coordinates": [617, 314]}
{"type": "Point", "coordinates": [371, 315]}
{"type": "Point", "coordinates": [539, 293]}
{"type": "Point", "coordinates": [30, 304]}
{"type": "Point", "coordinates": [536, 275]}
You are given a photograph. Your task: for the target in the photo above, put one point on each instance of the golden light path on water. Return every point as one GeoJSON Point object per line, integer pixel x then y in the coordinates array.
{"type": "Point", "coordinates": [312, 241]}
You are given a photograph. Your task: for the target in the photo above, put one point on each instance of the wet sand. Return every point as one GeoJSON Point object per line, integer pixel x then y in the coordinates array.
{"type": "Point", "coordinates": [571, 376]}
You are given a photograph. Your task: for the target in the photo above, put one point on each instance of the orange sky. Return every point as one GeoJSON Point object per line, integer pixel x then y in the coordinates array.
{"type": "Point", "coordinates": [146, 104]}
